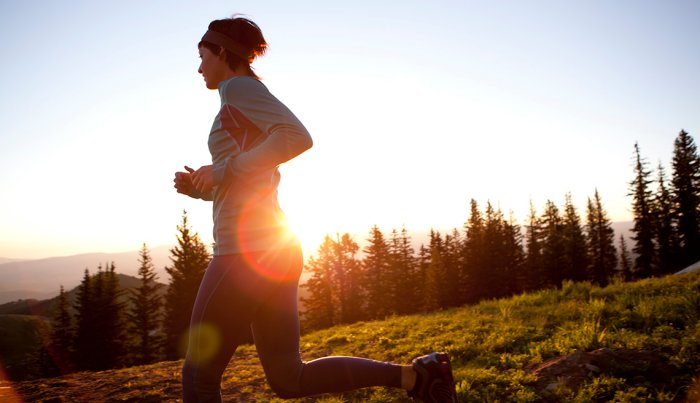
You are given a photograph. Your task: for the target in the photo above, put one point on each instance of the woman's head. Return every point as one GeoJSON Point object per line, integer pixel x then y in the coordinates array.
{"type": "Point", "coordinates": [236, 41]}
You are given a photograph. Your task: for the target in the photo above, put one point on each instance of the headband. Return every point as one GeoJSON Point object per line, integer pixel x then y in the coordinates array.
{"type": "Point", "coordinates": [227, 43]}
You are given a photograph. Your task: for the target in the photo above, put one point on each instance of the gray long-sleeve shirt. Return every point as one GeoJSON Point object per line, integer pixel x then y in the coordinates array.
{"type": "Point", "coordinates": [252, 134]}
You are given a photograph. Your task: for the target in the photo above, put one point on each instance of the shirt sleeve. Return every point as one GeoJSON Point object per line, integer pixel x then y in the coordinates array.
{"type": "Point", "coordinates": [284, 136]}
{"type": "Point", "coordinates": [204, 196]}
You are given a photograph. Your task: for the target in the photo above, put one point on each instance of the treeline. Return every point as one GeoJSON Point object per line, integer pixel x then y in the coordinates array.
{"type": "Point", "coordinates": [487, 258]}
{"type": "Point", "coordinates": [666, 212]}
{"type": "Point", "coordinates": [107, 327]}
{"type": "Point", "coordinates": [492, 256]}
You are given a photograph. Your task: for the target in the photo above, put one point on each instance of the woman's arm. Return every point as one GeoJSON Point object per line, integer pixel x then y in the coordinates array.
{"type": "Point", "coordinates": [285, 137]}
{"type": "Point", "coordinates": [283, 143]}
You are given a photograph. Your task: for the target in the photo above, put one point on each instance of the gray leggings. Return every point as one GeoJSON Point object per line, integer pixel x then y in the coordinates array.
{"type": "Point", "coordinates": [258, 291]}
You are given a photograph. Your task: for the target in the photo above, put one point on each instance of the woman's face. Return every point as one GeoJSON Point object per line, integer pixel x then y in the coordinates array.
{"type": "Point", "coordinates": [213, 67]}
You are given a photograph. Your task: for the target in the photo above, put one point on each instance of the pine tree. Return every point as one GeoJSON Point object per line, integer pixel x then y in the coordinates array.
{"type": "Point", "coordinates": [474, 257]}
{"type": "Point", "coordinates": [100, 338]}
{"type": "Point", "coordinates": [61, 343]}
{"type": "Point", "coordinates": [404, 273]}
{"type": "Point", "coordinates": [144, 315]}
{"type": "Point", "coordinates": [642, 212]}
{"type": "Point", "coordinates": [110, 320]}
{"type": "Point", "coordinates": [347, 276]}
{"type": "Point", "coordinates": [86, 333]}
{"type": "Point", "coordinates": [552, 241]}
{"type": "Point", "coordinates": [601, 242]}
{"type": "Point", "coordinates": [425, 280]}
{"type": "Point", "coordinates": [533, 275]}
{"type": "Point", "coordinates": [496, 267]}
{"type": "Point", "coordinates": [665, 228]}
{"type": "Point", "coordinates": [514, 255]}
{"type": "Point", "coordinates": [435, 274]}
{"type": "Point", "coordinates": [686, 196]}
{"type": "Point", "coordinates": [625, 261]}
{"type": "Point", "coordinates": [377, 276]}
{"type": "Point", "coordinates": [335, 293]}
{"type": "Point", "coordinates": [452, 260]}
{"type": "Point", "coordinates": [190, 259]}
{"type": "Point", "coordinates": [491, 258]}
{"type": "Point", "coordinates": [575, 252]}
{"type": "Point", "coordinates": [318, 304]}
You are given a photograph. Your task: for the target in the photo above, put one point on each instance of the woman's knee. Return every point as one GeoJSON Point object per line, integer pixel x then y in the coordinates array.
{"type": "Point", "coordinates": [284, 392]}
{"type": "Point", "coordinates": [284, 375]}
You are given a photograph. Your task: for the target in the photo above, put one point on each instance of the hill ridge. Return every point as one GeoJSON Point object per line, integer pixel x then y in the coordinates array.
{"type": "Point", "coordinates": [41, 278]}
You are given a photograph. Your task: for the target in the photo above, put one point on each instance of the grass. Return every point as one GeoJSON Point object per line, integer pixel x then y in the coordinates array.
{"type": "Point", "coordinates": [491, 345]}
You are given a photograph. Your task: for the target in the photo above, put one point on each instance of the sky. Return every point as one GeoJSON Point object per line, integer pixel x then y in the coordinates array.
{"type": "Point", "coordinates": [415, 108]}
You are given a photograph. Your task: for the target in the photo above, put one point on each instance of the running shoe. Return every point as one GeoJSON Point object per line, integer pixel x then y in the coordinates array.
{"type": "Point", "coordinates": [434, 383]}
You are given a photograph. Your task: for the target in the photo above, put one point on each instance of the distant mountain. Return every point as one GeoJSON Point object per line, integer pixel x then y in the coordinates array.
{"type": "Point", "coordinates": [9, 260]}
{"type": "Point", "coordinates": [624, 228]}
{"type": "Point", "coordinates": [41, 278]}
{"type": "Point", "coordinates": [46, 307]}
{"type": "Point", "coordinates": [15, 295]}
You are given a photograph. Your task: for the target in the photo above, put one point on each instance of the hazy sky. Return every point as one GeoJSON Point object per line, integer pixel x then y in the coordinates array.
{"type": "Point", "coordinates": [415, 108]}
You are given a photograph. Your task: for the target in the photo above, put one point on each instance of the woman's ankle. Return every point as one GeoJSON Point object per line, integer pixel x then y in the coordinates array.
{"type": "Point", "coordinates": [408, 377]}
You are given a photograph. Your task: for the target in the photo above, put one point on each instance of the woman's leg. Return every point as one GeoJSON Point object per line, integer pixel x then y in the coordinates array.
{"type": "Point", "coordinates": [220, 322]}
{"type": "Point", "coordinates": [276, 332]}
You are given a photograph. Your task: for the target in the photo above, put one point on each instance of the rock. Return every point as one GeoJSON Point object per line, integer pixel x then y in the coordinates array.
{"type": "Point", "coordinates": [592, 368]}
{"type": "Point", "coordinates": [570, 371]}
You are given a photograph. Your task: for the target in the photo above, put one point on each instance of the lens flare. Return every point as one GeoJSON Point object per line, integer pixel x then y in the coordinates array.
{"type": "Point", "coordinates": [264, 261]}
{"type": "Point", "coordinates": [7, 392]}
{"type": "Point", "coordinates": [205, 342]}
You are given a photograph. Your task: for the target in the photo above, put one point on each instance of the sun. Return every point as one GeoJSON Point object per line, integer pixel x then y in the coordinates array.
{"type": "Point", "coordinates": [309, 231]}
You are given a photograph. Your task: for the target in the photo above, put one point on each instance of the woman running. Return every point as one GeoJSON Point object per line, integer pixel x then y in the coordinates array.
{"type": "Point", "coordinates": [251, 282]}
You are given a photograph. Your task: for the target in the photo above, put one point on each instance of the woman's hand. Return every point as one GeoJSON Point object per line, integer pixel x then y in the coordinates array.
{"type": "Point", "coordinates": [183, 182]}
{"type": "Point", "coordinates": [203, 178]}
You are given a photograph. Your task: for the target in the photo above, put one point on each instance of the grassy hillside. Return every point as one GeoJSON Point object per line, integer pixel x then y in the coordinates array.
{"type": "Point", "coordinates": [19, 337]}
{"type": "Point", "coordinates": [495, 345]}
